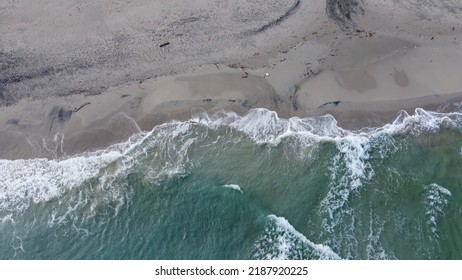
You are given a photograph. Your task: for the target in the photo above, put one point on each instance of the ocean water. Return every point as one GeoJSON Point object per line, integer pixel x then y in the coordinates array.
{"type": "Point", "coordinates": [253, 187]}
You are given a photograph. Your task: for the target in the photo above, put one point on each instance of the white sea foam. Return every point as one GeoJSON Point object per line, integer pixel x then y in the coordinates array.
{"type": "Point", "coordinates": [7, 218]}
{"type": "Point", "coordinates": [167, 147]}
{"type": "Point", "coordinates": [374, 249]}
{"type": "Point", "coordinates": [436, 201]}
{"type": "Point", "coordinates": [37, 180]}
{"type": "Point", "coordinates": [351, 167]}
{"type": "Point", "coordinates": [17, 245]}
{"type": "Point", "coordinates": [233, 186]}
{"type": "Point", "coordinates": [264, 126]}
{"type": "Point", "coordinates": [282, 241]}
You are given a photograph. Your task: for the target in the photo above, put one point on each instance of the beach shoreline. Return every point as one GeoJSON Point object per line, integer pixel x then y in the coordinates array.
{"type": "Point", "coordinates": [363, 73]}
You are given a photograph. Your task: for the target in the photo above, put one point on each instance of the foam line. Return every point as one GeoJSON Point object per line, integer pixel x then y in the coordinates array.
{"type": "Point", "coordinates": [282, 241]}
{"type": "Point", "coordinates": [436, 201]}
{"type": "Point", "coordinates": [234, 187]}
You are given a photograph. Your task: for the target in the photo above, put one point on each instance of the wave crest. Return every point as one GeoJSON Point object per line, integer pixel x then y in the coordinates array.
{"type": "Point", "coordinates": [281, 241]}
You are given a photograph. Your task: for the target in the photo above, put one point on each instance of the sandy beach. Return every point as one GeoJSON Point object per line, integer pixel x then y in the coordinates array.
{"type": "Point", "coordinates": [231, 130]}
{"type": "Point", "coordinates": [80, 76]}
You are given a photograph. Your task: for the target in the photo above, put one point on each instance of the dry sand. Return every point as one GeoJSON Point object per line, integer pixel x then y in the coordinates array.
{"type": "Point", "coordinates": [80, 76]}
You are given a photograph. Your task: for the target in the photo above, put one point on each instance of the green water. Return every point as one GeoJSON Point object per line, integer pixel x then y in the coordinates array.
{"type": "Point", "coordinates": [253, 187]}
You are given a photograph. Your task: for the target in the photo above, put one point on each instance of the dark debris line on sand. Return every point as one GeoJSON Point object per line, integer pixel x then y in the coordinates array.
{"type": "Point", "coordinates": [278, 20]}
{"type": "Point", "coordinates": [341, 11]}
{"type": "Point", "coordinates": [81, 106]}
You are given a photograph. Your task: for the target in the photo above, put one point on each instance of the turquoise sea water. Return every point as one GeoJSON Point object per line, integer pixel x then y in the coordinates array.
{"type": "Point", "coordinates": [253, 187]}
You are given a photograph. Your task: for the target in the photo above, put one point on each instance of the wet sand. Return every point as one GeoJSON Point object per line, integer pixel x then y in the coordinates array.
{"type": "Point", "coordinates": [363, 70]}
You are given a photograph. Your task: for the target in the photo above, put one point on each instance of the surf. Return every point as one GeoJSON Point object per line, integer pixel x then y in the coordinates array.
{"type": "Point", "coordinates": [303, 160]}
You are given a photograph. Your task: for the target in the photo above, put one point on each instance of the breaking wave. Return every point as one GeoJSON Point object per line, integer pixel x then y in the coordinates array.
{"type": "Point", "coordinates": [436, 200]}
{"type": "Point", "coordinates": [234, 187]}
{"type": "Point", "coordinates": [170, 151]}
{"type": "Point", "coordinates": [36, 180]}
{"type": "Point", "coordinates": [281, 241]}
